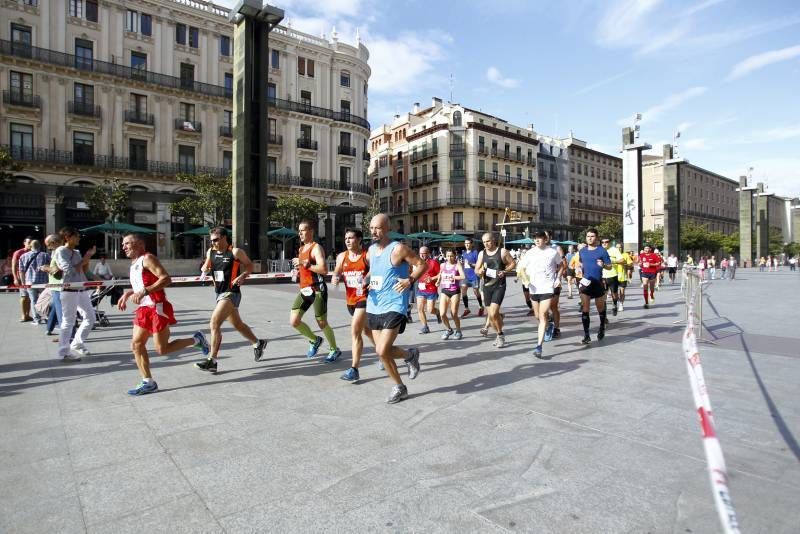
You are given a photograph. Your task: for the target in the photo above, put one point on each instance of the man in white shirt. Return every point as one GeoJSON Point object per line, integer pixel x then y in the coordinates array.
{"type": "Point", "coordinates": [541, 269]}
{"type": "Point", "coordinates": [102, 270]}
{"type": "Point", "coordinates": [672, 267]}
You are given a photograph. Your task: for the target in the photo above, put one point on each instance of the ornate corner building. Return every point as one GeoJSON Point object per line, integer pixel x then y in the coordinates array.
{"type": "Point", "coordinates": [141, 90]}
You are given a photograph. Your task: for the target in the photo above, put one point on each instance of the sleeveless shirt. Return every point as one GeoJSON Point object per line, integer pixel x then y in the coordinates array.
{"type": "Point", "coordinates": [225, 268]}
{"type": "Point", "coordinates": [355, 273]}
{"type": "Point", "coordinates": [383, 276]}
{"type": "Point", "coordinates": [495, 262]}
{"type": "Point", "coordinates": [141, 277]}
{"type": "Point", "coordinates": [306, 276]}
{"type": "Point", "coordinates": [448, 276]}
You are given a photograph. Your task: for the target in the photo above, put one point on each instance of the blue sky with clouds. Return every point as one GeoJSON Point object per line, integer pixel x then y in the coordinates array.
{"type": "Point", "coordinates": [726, 73]}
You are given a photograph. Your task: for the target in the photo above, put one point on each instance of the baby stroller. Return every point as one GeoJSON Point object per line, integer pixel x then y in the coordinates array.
{"type": "Point", "coordinates": [100, 317]}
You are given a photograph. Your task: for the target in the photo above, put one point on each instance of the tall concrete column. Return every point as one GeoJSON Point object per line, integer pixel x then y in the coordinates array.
{"type": "Point", "coordinates": [745, 220]}
{"type": "Point", "coordinates": [632, 189]}
{"type": "Point", "coordinates": [672, 201]}
{"type": "Point", "coordinates": [762, 221]}
{"type": "Point", "coordinates": [53, 213]}
{"type": "Point", "coordinates": [164, 228]}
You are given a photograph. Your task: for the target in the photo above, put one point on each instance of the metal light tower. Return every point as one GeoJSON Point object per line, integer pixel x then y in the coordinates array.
{"type": "Point", "coordinates": [253, 22]}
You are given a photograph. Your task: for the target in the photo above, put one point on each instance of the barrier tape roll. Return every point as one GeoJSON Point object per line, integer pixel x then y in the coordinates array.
{"type": "Point", "coordinates": [124, 282]}
{"type": "Point", "coordinates": [717, 471]}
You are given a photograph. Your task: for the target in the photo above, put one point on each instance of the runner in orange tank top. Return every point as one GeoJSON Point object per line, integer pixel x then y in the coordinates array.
{"type": "Point", "coordinates": [353, 267]}
{"type": "Point", "coordinates": [311, 269]}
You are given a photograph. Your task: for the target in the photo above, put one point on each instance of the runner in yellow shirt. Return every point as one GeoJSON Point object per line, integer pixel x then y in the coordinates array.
{"type": "Point", "coordinates": [622, 274]}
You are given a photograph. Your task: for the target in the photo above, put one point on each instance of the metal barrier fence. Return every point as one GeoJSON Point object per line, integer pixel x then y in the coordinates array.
{"type": "Point", "coordinates": [692, 289]}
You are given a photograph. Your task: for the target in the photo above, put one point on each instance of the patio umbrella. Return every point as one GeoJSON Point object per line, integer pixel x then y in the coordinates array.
{"type": "Point", "coordinates": [284, 234]}
{"type": "Point", "coordinates": [567, 242]}
{"type": "Point", "coordinates": [454, 239]}
{"type": "Point", "coordinates": [523, 241]}
{"type": "Point", "coordinates": [425, 236]}
{"type": "Point", "coordinates": [199, 231]}
{"type": "Point", "coordinates": [117, 229]}
{"type": "Point", "coordinates": [397, 236]}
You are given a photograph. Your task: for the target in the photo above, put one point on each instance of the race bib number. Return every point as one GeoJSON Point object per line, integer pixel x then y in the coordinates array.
{"type": "Point", "coordinates": [375, 282]}
{"type": "Point", "coordinates": [219, 276]}
{"type": "Point", "coordinates": [646, 264]}
{"type": "Point", "coordinates": [467, 265]}
{"type": "Point", "coordinates": [491, 273]}
{"type": "Point", "coordinates": [448, 278]}
{"type": "Point", "coordinates": [306, 291]}
{"type": "Point", "coordinates": [423, 286]}
{"type": "Point", "coordinates": [353, 280]}
{"type": "Point", "coordinates": [585, 282]}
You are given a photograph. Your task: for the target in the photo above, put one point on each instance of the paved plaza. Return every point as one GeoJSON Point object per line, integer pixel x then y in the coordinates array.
{"type": "Point", "coordinates": [601, 438]}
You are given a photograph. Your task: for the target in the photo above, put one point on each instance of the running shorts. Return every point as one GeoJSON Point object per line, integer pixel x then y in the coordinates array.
{"type": "Point", "coordinates": [426, 295]}
{"type": "Point", "coordinates": [494, 294]}
{"type": "Point", "coordinates": [235, 298]}
{"type": "Point", "coordinates": [450, 292]}
{"type": "Point", "coordinates": [386, 321]}
{"type": "Point", "coordinates": [352, 308]}
{"type": "Point", "coordinates": [571, 273]}
{"type": "Point", "coordinates": [318, 299]}
{"type": "Point", "coordinates": [648, 275]}
{"type": "Point", "coordinates": [672, 270]}
{"type": "Point", "coordinates": [470, 281]}
{"type": "Point", "coordinates": [612, 284]}
{"type": "Point", "coordinates": [594, 290]}
{"type": "Point", "coordinates": [540, 297]}
{"type": "Point", "coordinates": [156, 318]}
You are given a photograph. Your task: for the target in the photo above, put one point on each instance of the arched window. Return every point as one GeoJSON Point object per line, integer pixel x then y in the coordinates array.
{"type": "Point", "coordinates": [456, 118]}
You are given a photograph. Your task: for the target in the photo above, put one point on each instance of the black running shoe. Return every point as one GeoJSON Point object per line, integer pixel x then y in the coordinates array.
{"type": "Point", "coordinates": [258, 350]}
{"type": "Point", "coordinates": [614, 311]}
{"type": "Point", "coordinates": [586, 340]}
{"type": "Point", "coordinates": [208, 365]}
{"type": "Point", "coordinates": [601, 334]}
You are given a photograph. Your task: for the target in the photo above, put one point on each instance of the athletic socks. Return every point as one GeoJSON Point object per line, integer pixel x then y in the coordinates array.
{"type": "Point", "coordinates": [585, 321]}
{"type": "Point", "coordinates": [603, 318]}
{"type": "Point", "coordinates": [465, 300]}
{"type": "Point", "coordinates": [530, 304]}
{"type": "Point", "coordinates": [305, 331]}
{"type": "Point", "coordinates": [329, 335]}
{"type": "Point", "coordinates": [646, 296]}
{"type": "Point", "coordinates": [480, 301]}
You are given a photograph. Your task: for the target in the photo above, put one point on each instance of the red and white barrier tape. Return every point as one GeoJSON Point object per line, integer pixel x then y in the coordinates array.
{"type": "Point", "coordinates": [714, 458]}
{"type": "Point", "coordinates": [127, 283]}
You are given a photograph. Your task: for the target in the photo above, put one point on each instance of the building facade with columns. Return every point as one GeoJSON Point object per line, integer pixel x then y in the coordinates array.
{"type": "Point", "coordinates": [463, 169]}
{"type": "Point", "coordinates": [595, 184]}
{"type": "Point", "coordinates": [141, 90]}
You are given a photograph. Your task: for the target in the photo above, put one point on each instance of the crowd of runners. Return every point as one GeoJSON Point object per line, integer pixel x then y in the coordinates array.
{"type": "Point", "coordinates": [380, 282]}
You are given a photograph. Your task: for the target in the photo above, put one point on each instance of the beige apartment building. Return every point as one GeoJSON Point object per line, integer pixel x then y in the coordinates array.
{"type": "Point", "coordinates": [142, 89]}
{"type": "Point", "coordinates": [706, 198]}
{"type": "Point", "coordinates": [595, 184]}
{"type": "Point", "coordinates": [463, 169]}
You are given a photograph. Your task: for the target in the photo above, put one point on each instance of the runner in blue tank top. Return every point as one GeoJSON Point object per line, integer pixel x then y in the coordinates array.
{"type": "Point", "coordinates": [387, 301]}
{"type": "Point", "coordinates": [468, 260]}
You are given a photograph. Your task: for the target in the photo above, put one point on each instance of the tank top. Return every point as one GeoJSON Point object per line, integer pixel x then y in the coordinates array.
{"type": "Point", "coordinates": [306, 276]}
{"type": "Point", "coordinates": [225, 268]}
{"type": "Point", "coordinates": [383, 276]}
{"type": "Point", "coordinates": [141, 277]}
{"type": "Point", "coordinates": [448, 280]}
{"type": "Point", "coordinates": [493, 262]}
{"type": "Point", "coordinates": [354, 273]}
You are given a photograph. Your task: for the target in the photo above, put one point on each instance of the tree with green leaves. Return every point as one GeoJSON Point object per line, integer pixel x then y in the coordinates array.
{"type": "Point", "coordinates": [610, 227]}
{"type": "Point", "coordinates": [654, 238]}
{"type": "Point", "coordinates": [292, 209]}
{"type": "Point", "coordinates": [372, 210]}
{"type": "Point", "coordinates": [8, 166]}
{"type": "Point", "coordinates": [775, 241]}
{"type": "Point", "coordinates": [109, 200]}
{"type": "Point", "coordinates": [212, 203]}
{"type": "Point", "coordinates": [792, 250]}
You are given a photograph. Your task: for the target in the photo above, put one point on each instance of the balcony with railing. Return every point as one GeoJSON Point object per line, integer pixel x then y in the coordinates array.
{"type": "Point", "coordinates": [226, 130]}
{"type": "Point", "coordinates": [84, 109]}
{"type": "Point", "coordinates": [308, 109]}
{"type": "Point", "coordinates": [483, 150]}
{"type": "Point", "coordinates": [288, 180]}
{"type": "Point", "coordinates": [18, 98]}
{"type": "Point", "coordinates": [53, 57]}
{"type": "Point", "coordinates": [458, 150]}
{"type": "Point", "coordinates": [501, 204]}
{"type": "Point", "coordinates": [183, 125]}
{"type": "Point", "coordinates": [398, 186]}
{"type": "Point", "coordinates": [424, 180]}
{"type": "Point", "coordinates": [458, 201]}
{"type": "Point", "coordinates": [425, 205]}
{"type": "Point", "coordinates": [424, 153]}
{"type": "Point", "coordinates": [138, 117]}
{"type": "Point", "coordinates": [504, 179]}
{"type": "Point", "coordinates": [102, 162]}
{"type": "Point", "coordinates": [458, 175]}
{"type": "Point", "coordinates": [307, 144]}
{"type": "Point", "coordinates": [346, 150]}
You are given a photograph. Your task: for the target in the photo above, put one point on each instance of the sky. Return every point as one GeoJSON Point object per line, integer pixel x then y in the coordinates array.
{"type": "Point", "coordinates": [723, 73]}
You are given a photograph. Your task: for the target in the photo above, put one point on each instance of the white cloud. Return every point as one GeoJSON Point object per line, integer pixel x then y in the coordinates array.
{"type": "Point", "coordinates": [404, 63]}
{"type": "Point", "coordinates": [494, 76]}
{"type": "Point", "coordinates": [759, 61]}
{"type": "Point", "coordinates": [591, 87]}
{"type": "Point", "coordinates": [685, 125]}
{"type": "Point", "coordinates": [624, 20]}
{"type": "Point", "coordinates": [771, 135]}
{"type": "Point", "coordinates": [697, 143]}
{"type": "Point", "coordinates": [781, 175]}
{"type": "Point", "coordinates": [712, 40]}
{"type": "Point", "coordinates": [671, 102]}
{"type": "Point", "coordinates": [701, 6]}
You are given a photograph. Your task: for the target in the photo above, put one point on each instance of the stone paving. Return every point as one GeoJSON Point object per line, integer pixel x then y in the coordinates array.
{"type": "Point", "coordinates": [596, 439]}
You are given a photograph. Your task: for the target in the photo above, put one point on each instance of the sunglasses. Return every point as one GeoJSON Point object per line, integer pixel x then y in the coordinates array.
{"type": "Point", "coordinates": [215, 240]}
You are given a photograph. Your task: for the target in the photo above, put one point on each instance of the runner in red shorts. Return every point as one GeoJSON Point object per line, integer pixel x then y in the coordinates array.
{"type": "Point", "coordinates": [154, 314]}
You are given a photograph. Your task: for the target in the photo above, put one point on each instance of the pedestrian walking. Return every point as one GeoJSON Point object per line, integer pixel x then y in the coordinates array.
{"type": "Point", "coordinates": [71, 266]}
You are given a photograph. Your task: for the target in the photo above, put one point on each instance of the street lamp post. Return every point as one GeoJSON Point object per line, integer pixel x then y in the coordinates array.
{"type": "Point", "coordinates": [253, 23]}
